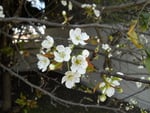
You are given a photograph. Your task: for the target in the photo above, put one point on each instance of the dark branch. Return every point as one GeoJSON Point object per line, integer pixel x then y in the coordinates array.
{"type": "Point", "coordinates": [57, 99]}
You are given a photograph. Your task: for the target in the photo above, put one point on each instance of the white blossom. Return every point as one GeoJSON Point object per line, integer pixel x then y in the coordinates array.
{"type": "Point", "coordinates": [77, 37]}
{"type": "Point", "coordinates": [133, 101]}
{"type": "Point", "coordinates": [2, 15]}
{"type": "Point", "coordinates": [108, 87]}
{"type": "Point", "coordinates": [86, 6]}
{"type": "Point", "coordinates": [93, 7]}
{"type": "Point", "coordinates": [139, 84]}
{"type": "Point", "coordinates": [119, 73]}
{"type": "Point", "coordinates": [70, 79]}
{"type": "Point", "coordinates": [41, 29]}
{"type": "Point", "coordinates": [85, 53]}
{"type": "Point", "coordinates": [107, 90]}
{"type": "Point", "coordinates": [64, 2]}
{"type": "Point", "coordinates": [62, 53]}
{"type": "Point", "coordinates": [37, 4]}
{"type": "Point", "coordinates": [106, 47]}
{"type": "Point", "coordinates": [79, 64]}
{"type": "Point", "coordinates": [64, 13]}
{"type": "Point", "coordinates": [113, 82]}
{"type": "Point", "coordinates": [102, 98]}
{"type": "Point", "coordinates": [70, 5]}
{"type": "Point", "coordinates": [96, 12]}
{"type": "Point", "coordinates": [52, 67]}
{"type": "Point", "coordinates": [48, 42]}
{"type": "Point", "coordinates": [110, 55]}
{"type": "Point", "coordinates": [140, 67]}
{"type": "Point", "coordinates": [143, 39]}
{"type": "Point", "coordinates": [43, 62]}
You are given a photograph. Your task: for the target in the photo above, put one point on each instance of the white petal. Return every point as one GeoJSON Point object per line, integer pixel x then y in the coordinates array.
{"type": "Point", "coordinates": [97, 13]}
{"type": "Point", "coordinates": [67, 57]}
{"type": "Point", "coordinates": [69, 84]}
{"type": "Point", "coordinates": [63, 79]}
{"type": "Point", "coordinates": [74, 68]}
{"type": "Point", "coordinates": [70, 5]}
{"type": "Point", "coordinates": [139, 84]}
{"type": "Point", "coordinates": [68, 50]}
{"type": "Point", "coordinates": [85, 36]}
{"type": "Point", "coordinates": [64, 2]}
{"type": "Point", "coordinates": [115, 83]}
{"type": "Point", "coordinates": [110, 91]}
{"type": "Point", "coordinates": [57, 57]}
{"type": "Point", "coordinates": [102, 84]}
{"type": "Point", "coordinates": [85, 53]}
{"type": "Point", "coordinates": [81, 70]}
{"type": "Point", "coordinates": [60, 48]}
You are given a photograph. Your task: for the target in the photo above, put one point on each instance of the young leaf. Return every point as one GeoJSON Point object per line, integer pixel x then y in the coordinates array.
{"type": "Point", "coordinates": [90, 67]}
{"type": "Point", "coordinates": [133, 36]}
{"type": "Point", "coordinates": [147, 64]}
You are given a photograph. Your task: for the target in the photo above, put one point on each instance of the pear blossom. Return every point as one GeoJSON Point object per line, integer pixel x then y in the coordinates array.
{"type": "Point", "coordinates": [79, 64]}
{"type": "Point", "coordinates": [106, 47]}
{"type": "Point", "coordinates": [108, 87]}
{"type": "Point", "coordinates": [86, 6]}
{"type": "Point", "coordinates": [133, 101]}
{"type": "Point", "coordinates": [41, 29]}
{"type": "Point", "coordinates": [37, 4]}
{"type": "Point", "coordinates": [77, 37]}
{"type": "Point", "coordinates": [52, 67]}
{"type": "Point", "coordinates": [143, 39]}
{"type": "Point", "coordinates": [62, 53]}
{"type": "Point", "coordinates": [93, 7]}
{"type": "Point", "coordinates": [48, 42]}
{"type": "Point", "coordinates": [43, 62]}
{"type": "Point", "coordinates": [2, 15]}
{"type": "Point", "coordinates": [139, 84]}
{"type": "Point", "coordinates": [140, 67]}
{"type": "Point", "coordinates": [64, 2]}
{"type": "Point", "coordinates": [70, 79]}
{"type": "Point", "coordinates": [113, 81]}
{"type": "Point", "coordinates": [85, 53]}
{"type": "Point", "coordinates": [120, 73]}
{"type": "Point", "coordinates": [96, 12]}
{"type": "Point", "coordinates": [107, 90]}
{"type": "Point", "coordinates": [102, 98]}
{"type": "Point", "coordinates": [70, 6]}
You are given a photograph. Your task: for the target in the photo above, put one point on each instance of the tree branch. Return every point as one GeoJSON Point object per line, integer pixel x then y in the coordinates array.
{"type": "Point", "coordinates": [126, 77]}
{"type": "Point", "coordinates": [115, 8]}
{"type": "Point", "coordinates": [57, 99]}
{"type": "Point", "coordinates": [18, 20]}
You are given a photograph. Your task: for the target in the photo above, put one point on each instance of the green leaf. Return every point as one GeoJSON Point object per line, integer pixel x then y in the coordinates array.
{"type": "Point", "coordinates": [144, 21]}
{"type": "Point", "coordinates": [147, 64]}
{"type": "Point", "coordinates": [7, 50]}
{"type": "Point", "coordinates": [21, 102]}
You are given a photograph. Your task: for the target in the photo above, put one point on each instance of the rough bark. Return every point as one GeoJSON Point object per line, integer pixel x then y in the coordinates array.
{"type": "Point", "coordinates": [6, 106]}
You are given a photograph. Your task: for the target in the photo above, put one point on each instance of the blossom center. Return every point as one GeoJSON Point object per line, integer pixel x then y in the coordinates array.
{"type": "Point", "coordinates": [78, 61]}
{"type": "Point", "coordinates": [62, 54]}
{"type": "Point", "coordinates": [70, 77]}
{"type": "Point", "coordinates": [77, 37]}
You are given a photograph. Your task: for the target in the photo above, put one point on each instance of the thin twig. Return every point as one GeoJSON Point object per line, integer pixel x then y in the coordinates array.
{"type": "Point", "coordinates": [57, 99]}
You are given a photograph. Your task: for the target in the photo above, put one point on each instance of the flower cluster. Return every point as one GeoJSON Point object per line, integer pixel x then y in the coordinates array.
{"type": "Point", "coordinates": [69, 4]}
{"type": "Point", "coordinates": [107, 49]}
{"type": "Point", "coordinates": [108, 87]}
{"type": "Point", "coordinates": [40, 5]}
{"type": "Point", "coordinates": [77, 37]}
{"type": "Point", "coordinates": [93, 7]}
{"type": "Point", "coordinates": [2, 15]}
{"type": "Point", "coordinates": [52, 57]}
{"type": "Point", "coordinates": [28, 31]}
